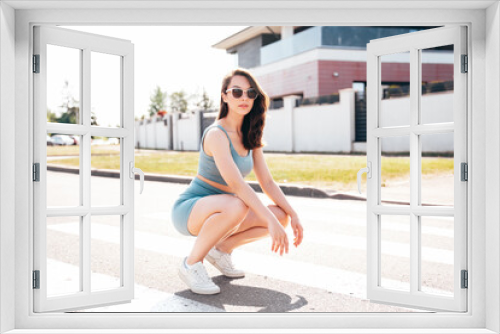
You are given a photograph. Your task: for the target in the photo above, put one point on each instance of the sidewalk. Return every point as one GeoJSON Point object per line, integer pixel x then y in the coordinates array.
{"type": "Point", "coordinates": [437, 188]}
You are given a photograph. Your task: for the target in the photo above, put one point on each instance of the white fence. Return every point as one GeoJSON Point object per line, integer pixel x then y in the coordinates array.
{"type": "Point", "coordinates": [179, 132]}
{"type": "Point", "coordinates": [435, 108]}
{"type": "Point", "coordinates": [187, 131]}
{"type": "Point", "coordinates": [317, 128]}
{"type": "Point", "coordinates": [152, 133]}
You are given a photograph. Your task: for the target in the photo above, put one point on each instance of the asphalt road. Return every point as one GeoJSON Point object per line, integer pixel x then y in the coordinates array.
{"type": "Point", "coordinates": [326, 273]}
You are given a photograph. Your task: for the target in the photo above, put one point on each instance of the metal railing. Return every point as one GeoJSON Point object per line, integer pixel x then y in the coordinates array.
{"type": "Point", "coordinates": [323, 99]}
{"type": "Point", "coordinates": [427, 88]}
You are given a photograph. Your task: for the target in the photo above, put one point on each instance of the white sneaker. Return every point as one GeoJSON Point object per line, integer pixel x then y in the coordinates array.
{"type": "Point", "coordinates": [223, 262]}
{"type": "Point", "coordinates": [197, 279]}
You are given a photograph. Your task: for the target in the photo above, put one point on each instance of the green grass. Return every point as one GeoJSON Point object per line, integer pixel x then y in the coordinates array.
{"type": "Point", "coordinates": [326, 171]}
{"type": "Point", "coordinates": [55, 151]}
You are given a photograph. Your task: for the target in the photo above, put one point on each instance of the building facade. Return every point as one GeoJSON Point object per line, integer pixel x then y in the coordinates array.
{"type": "Point", "coordinates": [316, 61]}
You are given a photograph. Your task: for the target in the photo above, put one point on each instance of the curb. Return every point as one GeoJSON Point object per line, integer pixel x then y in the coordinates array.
{"type": "Point", "coordinates": [288, 189]}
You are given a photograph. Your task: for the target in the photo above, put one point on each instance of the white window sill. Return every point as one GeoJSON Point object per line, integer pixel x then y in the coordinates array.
{"type": "Point", "coordinates": [256, 331]}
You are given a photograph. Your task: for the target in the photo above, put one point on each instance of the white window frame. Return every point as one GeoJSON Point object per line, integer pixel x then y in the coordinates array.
{"type": "Point", "coordinates": [85, 44]}
{"type": "Point", "coordinates": [414, 45]}
{"type": "Point", "coordinates": [483, 211]}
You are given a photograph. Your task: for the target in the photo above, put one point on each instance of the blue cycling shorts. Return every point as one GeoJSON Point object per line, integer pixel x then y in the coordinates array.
{"type": "Point", "coordinates": [184, 204]}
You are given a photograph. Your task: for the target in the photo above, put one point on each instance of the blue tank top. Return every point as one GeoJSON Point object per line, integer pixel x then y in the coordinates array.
{"type": "Point", "coordinates": [208, 169]}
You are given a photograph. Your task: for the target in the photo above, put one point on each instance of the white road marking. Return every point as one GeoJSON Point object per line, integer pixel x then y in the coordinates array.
{"type": "Point", "coordinates": [274, 266]}
{"type": "Point", "coordinates": [436, 255]}
{"type": "Point", "coordinates": [151, 300]}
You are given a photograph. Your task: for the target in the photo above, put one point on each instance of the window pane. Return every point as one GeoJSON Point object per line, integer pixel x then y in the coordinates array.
{"type": "Point", "coordinates": [105, 165]}
{"type": "Point", "coordinates": [63, 84]}
{"type": "Point", "coordinates": [105, 248]}
{"type": "Point", "coordinates": [395, 252]}
{"type": "Point", "coordinates": [63, 170]}
{"type": "Point", "coordinates": [63, 255]}
{"type": "Point", "coordinates": [395, 170]}
{"type": "Point", "coordinates": [105, 89]}
{"type": "Point", "coordinates": [437, 84]}
{"type": "Point", "coordinates": [395, 90]}
{"type": "Point", "coordinates": [437, 179]}
{"type": "Point", "coordinates": [437, 244]}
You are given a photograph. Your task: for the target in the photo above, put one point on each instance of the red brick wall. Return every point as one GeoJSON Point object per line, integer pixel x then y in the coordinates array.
{"type": "Point", "coordinates": [316, 78]}
{"type": "Point", "coordinates": [348, 71]}
{"type": "Point", "coordinates": [300, 79]}
{"type": "Point", "coordinates": [432, 72]}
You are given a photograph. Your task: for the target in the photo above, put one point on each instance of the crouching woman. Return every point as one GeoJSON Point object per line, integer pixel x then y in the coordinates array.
{"type": "Point", "coordinates": [219, 208]}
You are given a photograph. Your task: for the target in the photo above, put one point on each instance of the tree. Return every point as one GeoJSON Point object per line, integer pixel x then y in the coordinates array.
{"type": "Point", "coordinates": [70, 109]}
{"type": "Point", "coordinates": [205, 102]}
{"type": "Point", "coordinates": [51, 116]}
{"type": "Point", "coordinates": [157, 101]}
{"type": "Point", "coordinates": [70, 106]}
{"type": "Point", "coordinates": [93, 118]}
{"type": "Point", "coordinates": [179, 101]}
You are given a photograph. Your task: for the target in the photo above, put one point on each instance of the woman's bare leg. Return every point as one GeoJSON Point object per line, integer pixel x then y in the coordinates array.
{"type": "Point", "coordinates": [242, 238]}
{"type": "Point", "coordinates": [251, 229]}
{"type": "Point", "coordinates": [212, 218]}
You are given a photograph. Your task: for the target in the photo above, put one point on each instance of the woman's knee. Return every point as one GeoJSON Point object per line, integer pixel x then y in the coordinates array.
{"type": "Point", "coordinates": [237, 209]}
{"type": "Point", "coordinates": [232, 208]}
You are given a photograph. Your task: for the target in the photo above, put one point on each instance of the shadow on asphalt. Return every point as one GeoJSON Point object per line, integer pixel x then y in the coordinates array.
{"type": "Point", "coordinates": [242, 295]}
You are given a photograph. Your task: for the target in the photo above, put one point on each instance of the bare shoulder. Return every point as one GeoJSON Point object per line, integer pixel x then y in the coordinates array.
{"type": "Point", "coordinates": [215, 139]}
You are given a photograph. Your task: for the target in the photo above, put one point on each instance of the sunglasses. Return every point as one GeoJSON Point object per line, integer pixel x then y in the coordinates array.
{"type": "Point", "coordinates": [238, 92]}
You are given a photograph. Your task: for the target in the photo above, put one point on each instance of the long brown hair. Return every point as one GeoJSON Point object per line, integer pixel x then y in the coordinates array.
{"type": "Point", "coordinates": [254, 121]}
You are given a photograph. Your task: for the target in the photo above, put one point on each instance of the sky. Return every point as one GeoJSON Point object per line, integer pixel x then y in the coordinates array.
{"type": "Point", "coordinates": [172, 57]}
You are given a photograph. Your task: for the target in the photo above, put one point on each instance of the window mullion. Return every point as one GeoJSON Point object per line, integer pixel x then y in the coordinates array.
{"type": "Point", "coordinates": [414, 170]}
{"type": "Point", "coordinates": [85, 174]}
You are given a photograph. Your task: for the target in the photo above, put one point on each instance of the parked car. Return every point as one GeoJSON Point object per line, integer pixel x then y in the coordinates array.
{"type": "Point", "coordinates": [76, 140]}
{"type": "Point", "coordinates": [49, 141]}
{"type": "Point", "coordinates": [113, 141]}
{"type": "Point", "coordinates": [62, 140]}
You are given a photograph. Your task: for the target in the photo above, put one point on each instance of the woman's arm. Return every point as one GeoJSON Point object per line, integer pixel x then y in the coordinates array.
{"type": "Point", "coordinates": [218, 145]}
{"type": "Point", "coordinates": [270, 188]}
{"type": "Point", "coordinates": [274, 192]}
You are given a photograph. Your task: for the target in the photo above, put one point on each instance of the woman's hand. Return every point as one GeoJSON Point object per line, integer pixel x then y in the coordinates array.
{"type": "Point", "coordinates": [298, 230]}
{"type": "Point", "coordinates": [279, 237]}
